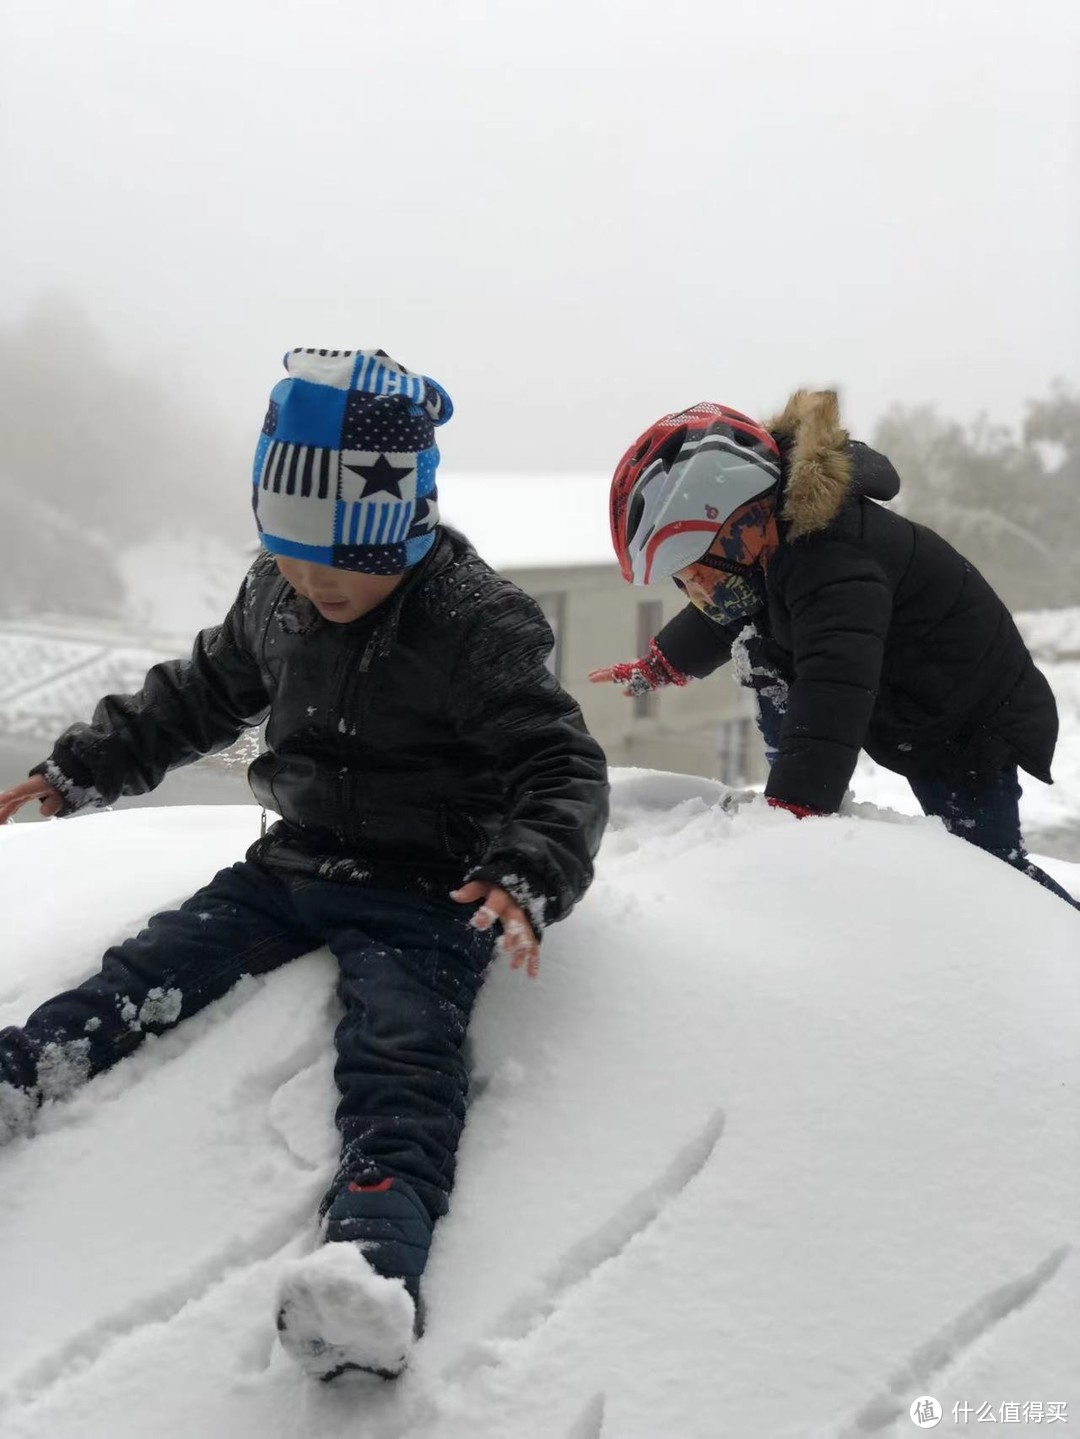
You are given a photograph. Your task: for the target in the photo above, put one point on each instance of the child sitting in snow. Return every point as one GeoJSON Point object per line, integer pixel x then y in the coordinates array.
{"type": "Point", "coordinates": [857, 628]}
{"type": "Point", "coordinates": [434, 783]}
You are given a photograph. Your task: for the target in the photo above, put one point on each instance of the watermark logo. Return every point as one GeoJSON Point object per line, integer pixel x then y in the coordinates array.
{"type": "Point", "coordinates": [925, 1412]}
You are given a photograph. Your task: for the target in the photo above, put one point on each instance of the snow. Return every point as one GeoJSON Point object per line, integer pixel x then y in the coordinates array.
{"type": "Point", "coordinates": [1052, 634]}
{"type": "Point", "coordinates": [783, 1137]}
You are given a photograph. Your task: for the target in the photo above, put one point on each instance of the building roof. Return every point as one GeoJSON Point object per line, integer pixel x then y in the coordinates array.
{"type": "Point", "coordinates": [530, 521]}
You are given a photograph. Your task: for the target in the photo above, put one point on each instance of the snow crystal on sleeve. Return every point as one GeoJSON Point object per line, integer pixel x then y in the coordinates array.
{"type": "Point", "coordinates": [63, 1066]}
{"type": "Point", "coordinates": [77, 797]}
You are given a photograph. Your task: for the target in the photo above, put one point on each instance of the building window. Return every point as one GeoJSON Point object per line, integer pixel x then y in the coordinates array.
{"type": "Point", "coordinates": [733, 742]}
{"type": "Point", "coordinates": [650, 617]}
{"type": "Point", "coordinates": [553, 604]}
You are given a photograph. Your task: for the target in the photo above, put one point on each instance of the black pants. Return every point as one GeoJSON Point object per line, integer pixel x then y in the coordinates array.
{"type": "Point", "coordinates": [410, 971]}
{"type": "Point", "coordinates": [987, 812]}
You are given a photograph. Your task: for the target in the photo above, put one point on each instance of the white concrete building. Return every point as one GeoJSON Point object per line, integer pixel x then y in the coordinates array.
{"type": "Point", "coordinates": [550, 534]}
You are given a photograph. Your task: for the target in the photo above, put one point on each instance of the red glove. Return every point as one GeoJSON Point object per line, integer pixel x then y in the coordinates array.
{"type": "Point", "coordinates": [800, 811]}
{"type": "Point", "coordinates": [642, 676]}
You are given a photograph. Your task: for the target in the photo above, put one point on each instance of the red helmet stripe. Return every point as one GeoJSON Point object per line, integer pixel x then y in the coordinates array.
{"type": "Point", "coordinates": [665, 532]}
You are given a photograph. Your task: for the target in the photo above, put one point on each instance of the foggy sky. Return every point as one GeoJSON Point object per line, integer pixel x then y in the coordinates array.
{"type": "Point", "coordinates": [574, 215]}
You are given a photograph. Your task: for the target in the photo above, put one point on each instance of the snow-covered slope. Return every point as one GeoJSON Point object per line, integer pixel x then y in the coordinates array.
{"type": "Point", "coordinates": [784, 1137]}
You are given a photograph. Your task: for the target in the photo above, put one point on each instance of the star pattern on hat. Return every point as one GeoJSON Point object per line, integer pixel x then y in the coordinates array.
{"type": "Point", "coordinates": [423, 516]}
{"type": "Point", "coordinates": [381, 477]}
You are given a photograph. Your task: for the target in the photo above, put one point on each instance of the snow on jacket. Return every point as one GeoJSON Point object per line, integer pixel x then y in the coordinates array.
{"type": "Point", "coordinates": [422, 743]}
{"type": "Point", "coordinates": [888, 640]}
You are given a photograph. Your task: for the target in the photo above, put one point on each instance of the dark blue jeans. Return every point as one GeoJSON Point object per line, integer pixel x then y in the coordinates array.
{"type": "Point", "coordinates": [983, 809]}
{"type": "Point", "coordinates": [410, 971]}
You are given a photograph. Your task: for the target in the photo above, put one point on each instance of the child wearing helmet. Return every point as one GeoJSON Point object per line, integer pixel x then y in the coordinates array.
{"type": "Point", "coordinates": [856, 627]}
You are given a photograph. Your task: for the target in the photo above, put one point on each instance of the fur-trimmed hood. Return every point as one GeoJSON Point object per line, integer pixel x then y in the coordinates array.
{"type": "Point", "coordinates": [823, 466]}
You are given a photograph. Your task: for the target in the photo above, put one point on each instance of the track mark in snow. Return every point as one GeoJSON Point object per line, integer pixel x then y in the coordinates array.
{"type": "Point", "coordinates": [948, 1344]}
{"type": "Point", "coordinates": [158, 1052]}
{"type": "Point", "coordinates": [278, 1131]}
{"type": "Point", "coordinates": [83, 1350]}
{"type": "Point", "coordinates": [590, 1422]}
{"type": "Point", "coordinates": [583, 1259]}
{"type": "Point", "coordinates": [522, 1320]}
{"type": "Point", "coordinates": [263, 1088]}
{"type": "Point", "coordinates": [154, 1055]}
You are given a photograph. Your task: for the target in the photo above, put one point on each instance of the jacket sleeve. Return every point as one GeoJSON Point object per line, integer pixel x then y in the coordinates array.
{"type": "Point", "coordinates": [840, 605]}
{"type": "Point", "coordinates": [185, 709]}
{"type": "Point", "coordinates": [554, 773]}
{"type": "Point", "coordinates": [694, 644]}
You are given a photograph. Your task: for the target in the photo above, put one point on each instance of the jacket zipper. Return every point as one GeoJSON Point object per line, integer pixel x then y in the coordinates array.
{"type": "Point", "coordinates": [382, 636]}
{"type": "Point", "coordinates": [356, 683]}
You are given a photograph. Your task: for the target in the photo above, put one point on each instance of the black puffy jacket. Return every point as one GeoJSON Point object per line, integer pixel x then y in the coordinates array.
{"type": "Point", "coordinates": [887, 638]}
{"type": "Point", "coordinates": [423, 742]}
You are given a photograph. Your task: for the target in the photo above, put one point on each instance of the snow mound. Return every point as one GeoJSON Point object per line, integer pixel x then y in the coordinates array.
{"type": "Point", "coordinates": [784, 1136]}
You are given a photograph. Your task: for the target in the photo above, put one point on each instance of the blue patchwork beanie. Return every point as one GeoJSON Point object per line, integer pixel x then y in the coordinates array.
{"type": "Point", "coordinates": [344, 470]}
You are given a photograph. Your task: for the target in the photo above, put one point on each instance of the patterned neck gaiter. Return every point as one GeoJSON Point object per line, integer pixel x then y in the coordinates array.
{"type": "Point", "coordinates": [728, 582]}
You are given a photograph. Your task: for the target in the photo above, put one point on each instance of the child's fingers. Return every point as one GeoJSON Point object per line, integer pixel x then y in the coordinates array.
{"type": "Point", "coordinates": [496, 902]}
{"type": "Point", "coordinates": [485, 917]}
{"type": "Point", "coordinates": [12, 800]}
{"type": "Point", "coordinates": [601, 677]}
{"type": "Point", "coordinates": [529, 957]}
{"type": "Point", "coordinates": [519, 942]}
{"type": "Point", "coordinates": [470, 893]}
{"type": "Point", "coordinates": [516, 927]}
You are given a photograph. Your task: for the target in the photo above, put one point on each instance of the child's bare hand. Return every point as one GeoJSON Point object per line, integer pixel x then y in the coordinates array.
{"type": "Point", "coordinates": [518, 941]}
{"type": "Point", "coordinates": [12, 800]}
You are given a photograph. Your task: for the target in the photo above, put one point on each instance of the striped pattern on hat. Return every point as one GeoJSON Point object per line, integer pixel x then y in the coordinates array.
{"type": "Point", "coordinates": [344, 470]}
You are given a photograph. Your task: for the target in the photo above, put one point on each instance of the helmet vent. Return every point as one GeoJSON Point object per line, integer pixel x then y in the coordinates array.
{"type": "Point", "coordinates": [668, 452]}
{"type": "Point", "coordinates": [633, 518]}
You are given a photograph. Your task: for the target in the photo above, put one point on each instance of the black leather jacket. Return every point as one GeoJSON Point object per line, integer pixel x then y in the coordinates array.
{"type": "Point", "coordinates": [422, 743]}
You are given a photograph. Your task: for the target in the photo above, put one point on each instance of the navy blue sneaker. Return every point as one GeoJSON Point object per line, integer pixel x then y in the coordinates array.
{"type": "Point", "coordinates": [335, 1314]}
{"type": "Point", "coordinates": [354, 1305]}
{"type": "Point", "coordinates": [386, 1218]}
